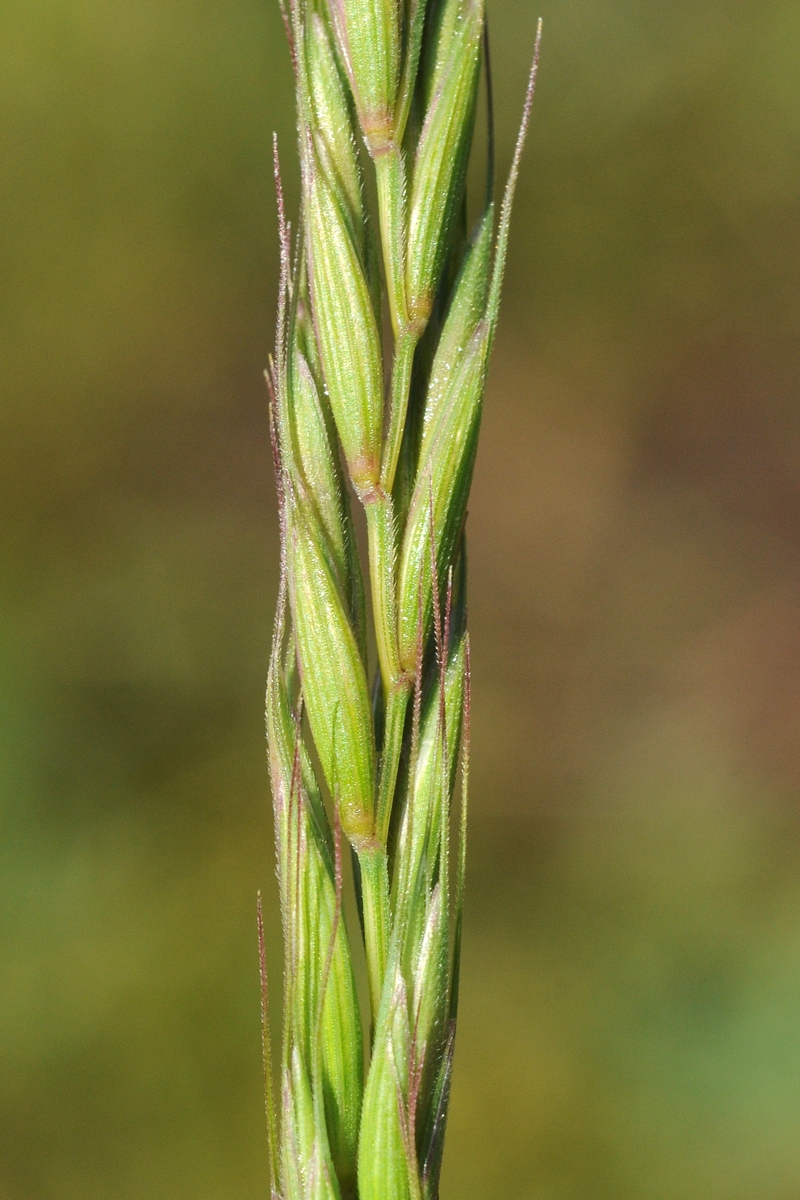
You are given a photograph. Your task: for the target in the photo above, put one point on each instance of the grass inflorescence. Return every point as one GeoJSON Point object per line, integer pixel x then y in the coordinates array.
{"type": "Point", "coordinates": [360, 757]}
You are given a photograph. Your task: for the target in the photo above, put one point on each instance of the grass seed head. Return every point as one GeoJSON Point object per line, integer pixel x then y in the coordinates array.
{"type": "Point", "coordinates": [399, 422]}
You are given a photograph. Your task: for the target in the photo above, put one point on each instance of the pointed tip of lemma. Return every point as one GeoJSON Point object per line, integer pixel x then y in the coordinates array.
{"type": "Point", "coordinates": [501, 248]}
{"type": "Point", "coordinates": [287, 26]}
{"type": "Point", "coordinates": [490, 143]}
{"type": "Point", "coordinates": [283, 225]}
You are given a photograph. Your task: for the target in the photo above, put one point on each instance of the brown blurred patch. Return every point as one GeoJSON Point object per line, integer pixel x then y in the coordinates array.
{"type": "Point", "coordinates": [746, 669]}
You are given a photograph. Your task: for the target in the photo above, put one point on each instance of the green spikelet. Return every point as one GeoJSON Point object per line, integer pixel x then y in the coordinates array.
{"type": "Point", "coordinates": [345, 324]}
{"type": "Point", "coordinates": [440, 165]}
{"type": "Point", "coordinates": [332, 127]}
{"type": "Point", "coordinates": [322, 1015]}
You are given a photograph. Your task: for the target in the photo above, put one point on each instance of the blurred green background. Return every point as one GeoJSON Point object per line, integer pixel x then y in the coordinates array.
{"type": "Point", "coordinates": [631, 996]}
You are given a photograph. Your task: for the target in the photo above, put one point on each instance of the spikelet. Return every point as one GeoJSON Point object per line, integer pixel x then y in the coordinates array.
{"type": "Point", "coordinates": [402, 76]}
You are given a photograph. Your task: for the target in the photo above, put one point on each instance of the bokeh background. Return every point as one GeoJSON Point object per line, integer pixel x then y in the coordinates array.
{"type": "Point", "coordinates": [631, 996]}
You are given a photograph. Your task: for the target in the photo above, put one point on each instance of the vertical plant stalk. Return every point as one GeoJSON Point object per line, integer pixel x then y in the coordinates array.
{"type": "Point", "coordinates": [368, 744]}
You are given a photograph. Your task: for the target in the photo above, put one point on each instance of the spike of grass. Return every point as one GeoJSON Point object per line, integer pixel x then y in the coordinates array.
{"type": "Point", "coordinates": [389, 730]}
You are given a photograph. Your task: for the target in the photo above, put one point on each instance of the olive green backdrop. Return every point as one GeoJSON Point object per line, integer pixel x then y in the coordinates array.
{"type": "Point", "coordinates": [631, 992]}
